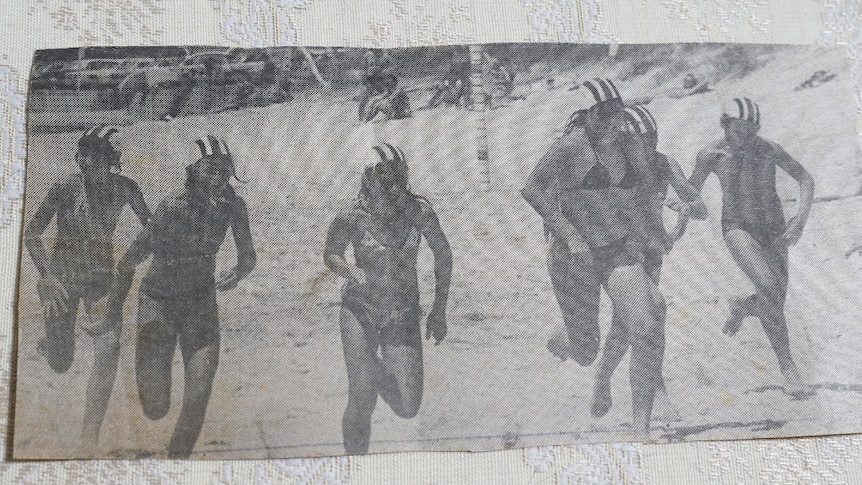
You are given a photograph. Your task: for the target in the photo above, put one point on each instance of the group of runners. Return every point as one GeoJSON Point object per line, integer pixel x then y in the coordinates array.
{"type": "Point", "coordinates": [600, 190]}
{"type": "Point", "coordinates": [177, 300]}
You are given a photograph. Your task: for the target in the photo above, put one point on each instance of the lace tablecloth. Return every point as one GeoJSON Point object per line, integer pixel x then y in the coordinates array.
{"type": "Point", "coordinates": [39, 24]}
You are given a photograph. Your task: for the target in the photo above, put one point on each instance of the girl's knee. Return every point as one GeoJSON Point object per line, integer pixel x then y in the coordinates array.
{"type": "Point", "coordinates": [199, 390]}
{"type": "Point", "coordinates": [155, 408]}
{"type": "Point", "coordinates": [408, 398]}
{"type": "Point", "coordinates": [408, 407]}
{"type": "Point", "coordinates": [646, 330]}
{"type": "Point", "coordinates": [61, 360]}
{"type": "Point", "coordinates": [408, 412]}
{"type": "Point", "coordinates": [403, 396]}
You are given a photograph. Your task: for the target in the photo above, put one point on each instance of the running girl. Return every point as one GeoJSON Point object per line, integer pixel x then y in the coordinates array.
{"type": "Point", "coordinates": [662, 172]}
{"type": "Point", "coordinates": [380, 301]}
{"type": "Point", "coordinates": [597, 239]}
{"type": "Point", "coordinates": [178, 294]}
{"type": "Point", "coordinates": [88, 207]}
{"type": "Point", "coordinates": [753, 223]}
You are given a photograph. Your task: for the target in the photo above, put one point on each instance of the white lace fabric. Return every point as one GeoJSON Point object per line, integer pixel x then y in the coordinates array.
{"type": "Point", "coordinates": [39, 24]}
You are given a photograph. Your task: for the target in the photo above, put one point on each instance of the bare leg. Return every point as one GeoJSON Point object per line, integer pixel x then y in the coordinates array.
{"type": "Point", "coordinates": [578, 290]}
{"type": "Point", "coordinates": [362, 366]}
{"type": "Point", "coordinates": [58, 346]}
{"type": "Point", "coordinates": [739, 309]}
{"type": "Point", "coordinates": [641, 307]}
{"type": "Point", "coordinates": [767, 270]}
{"type": "Point", "coordinates": [663, 408]}
{"type": "Point", "coordinates": [401, 347]}
{"type": "Point", "coordinates": [199, 337]}
{"type": "Point", "coordinates": [153, 358]}
{"type": "Point", "coordinates": [616, 346]}
{"type": "Point", "coordinates": [200, 369]}
{"type": "Point", "coordinates": [101, 383]}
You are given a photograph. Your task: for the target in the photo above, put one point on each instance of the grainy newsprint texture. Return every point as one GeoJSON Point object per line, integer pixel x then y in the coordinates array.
{"type": "Point", "coordinates": [286, 252]}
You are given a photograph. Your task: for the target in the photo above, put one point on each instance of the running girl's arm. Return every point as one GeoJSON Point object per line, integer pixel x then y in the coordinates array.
{"type": "Point", "coordinates": [442, 257]}
{"type": "Point", "coordinates": [337, 238]}
{"type": "Point", "coordinates": [138, 251]}
{"type": "Point", "coordinates": [702, 168]}
{"type": "Point", "coordinates": [246, 258]}
{"type": "Point", "coordinates": [139, 206]}
{"type": "Point", "coordinates": [430, 226]}
{"type": "Point", "coordinates": [686, 192]}
{"type": "Point", "coordinates": [536, 193]}
{"type": "Point", "coordinates": [805, 180]}
{"type": "Point", "coordinates": [806, 193]}
{"type": "Point", "coordinates": [55, 299]}
{"type": "Point", "coordinates": [37, 226]}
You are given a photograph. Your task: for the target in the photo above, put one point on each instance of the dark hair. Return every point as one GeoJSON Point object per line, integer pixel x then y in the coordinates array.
{"type": "Point", "coordinates": [578, 118]}
{"type": "Point", "coordinates": [102, 151]}
{"type": "Point", "coordinates": [192, 172]}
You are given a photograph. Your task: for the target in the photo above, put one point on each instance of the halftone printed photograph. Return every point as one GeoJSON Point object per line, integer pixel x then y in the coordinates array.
{"type": "Point", "coordinates": [313, 251]}
{"type": "Point", "coordinates": [722, 305]}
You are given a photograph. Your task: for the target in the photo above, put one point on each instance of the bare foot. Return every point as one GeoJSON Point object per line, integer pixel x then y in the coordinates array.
{"type": "Point", "coordinates": [558, 344]}
{"type": "Point", "coordinates": [663, 408]}
{"type": "Point", "coordinates": [737, 315]}
{"type": "Point", "coordinates": [601, 402]}
{"type": "Point", "coordinates": [794, 387]}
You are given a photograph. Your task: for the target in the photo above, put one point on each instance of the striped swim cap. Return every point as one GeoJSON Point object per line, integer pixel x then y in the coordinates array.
{"type": "Point", "coordinates": [215, 151]}
{"type": "Point", "coordinates": [97, 141]}
{"type": "Point", "coordinates": [211, 146]}
{"type": "Point", "coordinates": [385, 153]}
{"type": "Point", "coordinates": [390, 160]}
{"type": "Point", "coordinates": [397, 155]}
{"type": "Point", "coordinates": [97, 137]}
{"type": "Point", "coordinates": [602, 89]}
{"type": "Point", "coordinates": [743, 109]}
{"type": "Point", "coordinates": [640, 121]}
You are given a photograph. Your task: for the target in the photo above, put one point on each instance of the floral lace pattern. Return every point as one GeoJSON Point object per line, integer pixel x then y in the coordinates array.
{"type": "Point", "coordinates": [102, 22]}
{"type": "Point", "coordinates": [415, 22]}
{"type": "Point", "coordinates": [12, 143]}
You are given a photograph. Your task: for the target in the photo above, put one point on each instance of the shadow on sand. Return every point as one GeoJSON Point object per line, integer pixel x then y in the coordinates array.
{"type": "Point", "coordinates": [682, 433]}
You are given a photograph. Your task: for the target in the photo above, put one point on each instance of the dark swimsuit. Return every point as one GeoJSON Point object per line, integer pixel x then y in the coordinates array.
{"type": "Point", "coordinates": [178, 290]}
{"type": "Point", "coordinates": [621, 251]}
{"type": "Point", "coordinates": [598, 177]}
{"type": "Point", "coordinates": [751, 202]}
{"type": "Point", "coordinates": [390, 313]}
